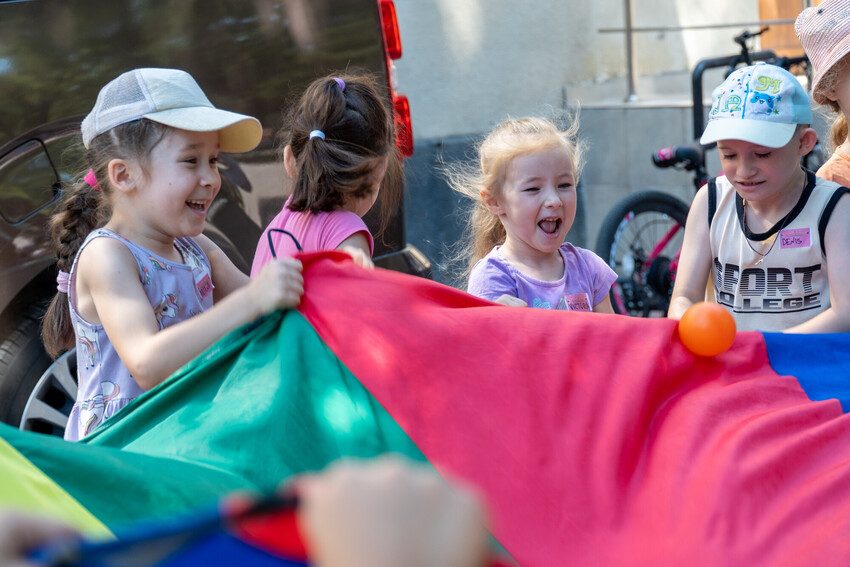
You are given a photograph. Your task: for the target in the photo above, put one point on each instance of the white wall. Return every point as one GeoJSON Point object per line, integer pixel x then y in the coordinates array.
{"type": "Point", "coordinates": [469, 63]}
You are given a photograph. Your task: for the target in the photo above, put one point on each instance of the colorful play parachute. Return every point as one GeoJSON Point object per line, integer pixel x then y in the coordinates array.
{"type": "Point", "coordinates": [597, 440]}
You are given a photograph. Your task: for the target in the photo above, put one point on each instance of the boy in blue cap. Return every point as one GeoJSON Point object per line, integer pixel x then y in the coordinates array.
{"type": "Point", "coordinates": [761, 231]}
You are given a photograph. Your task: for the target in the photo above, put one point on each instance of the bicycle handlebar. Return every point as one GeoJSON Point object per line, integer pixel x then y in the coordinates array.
{"type": "Point", "coordinates": [689, 156]}
{"type": "Point", "coordinates": [747, 34]}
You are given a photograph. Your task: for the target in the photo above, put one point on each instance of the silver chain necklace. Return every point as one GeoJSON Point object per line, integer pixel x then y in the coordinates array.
{"type": "Point", "coordinates": [772, 244]}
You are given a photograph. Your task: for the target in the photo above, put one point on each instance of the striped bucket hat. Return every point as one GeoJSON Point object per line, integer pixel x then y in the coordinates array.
{"type": "Point", "coordinates": [824, 31]}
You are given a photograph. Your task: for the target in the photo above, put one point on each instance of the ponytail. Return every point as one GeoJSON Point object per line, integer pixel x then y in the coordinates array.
{"type": "Point", "coordinates": [78, 215]}
{"type": "Point", "coordinates": [340, 132]}
{"type": "Point", "coordinates": [315, 187]}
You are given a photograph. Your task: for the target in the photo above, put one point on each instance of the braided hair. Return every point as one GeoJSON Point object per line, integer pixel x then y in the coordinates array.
{"type": "Point", "coordinates": [87, 207]}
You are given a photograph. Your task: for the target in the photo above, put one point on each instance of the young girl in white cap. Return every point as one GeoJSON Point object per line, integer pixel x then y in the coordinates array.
{"type": "Point", "coordinates": [137, 279]}
{"type": "Point", "coordinates": [824, 32]}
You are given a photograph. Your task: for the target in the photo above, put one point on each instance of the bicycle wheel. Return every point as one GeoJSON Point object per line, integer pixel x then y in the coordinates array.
{"type": "Point", "coordinates": [640, 238]}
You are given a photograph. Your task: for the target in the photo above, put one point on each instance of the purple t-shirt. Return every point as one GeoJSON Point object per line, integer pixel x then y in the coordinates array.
{"type": "Point", "coordinates": [586, 281]}
{"type": "Point", "coordinates": [314, 231]}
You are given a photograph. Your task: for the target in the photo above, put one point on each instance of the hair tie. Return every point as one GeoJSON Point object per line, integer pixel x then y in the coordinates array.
{"type": "Point", "coordinates": [317, 134]}
{"type": "Point", "coordinates": [340, 83]}
{"type": "Point", "coordinates": [63, 278]}
{"type": "Point", "coordinates": [91, 179]}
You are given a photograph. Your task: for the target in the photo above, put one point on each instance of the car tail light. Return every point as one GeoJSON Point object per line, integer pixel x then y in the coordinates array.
{"type": "Point", "coordinates": [392, 50]}
{"type": "Point", "coordinates": [404, 125]}
{"type": "Point", "coordinates": [389, 23]}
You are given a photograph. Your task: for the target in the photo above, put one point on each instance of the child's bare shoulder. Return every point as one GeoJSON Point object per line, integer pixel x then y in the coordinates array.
{"type": "Point", "coordinates": [106, 258]}
{"type": "Point", "coordinates": [206, 244]}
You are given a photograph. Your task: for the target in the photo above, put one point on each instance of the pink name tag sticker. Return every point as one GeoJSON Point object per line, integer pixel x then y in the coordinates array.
{"type": "Point", "coordinates": [795, 238]}
{"type": "Point", "coordinates": [578, 302]}
{"type": "Point", "coordinates": [204, 285]}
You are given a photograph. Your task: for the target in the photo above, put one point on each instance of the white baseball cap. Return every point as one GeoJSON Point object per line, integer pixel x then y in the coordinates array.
{"type": "Point", "coordinates": [170, 97]}
{"type": "Point", "coordinates": [761, 104]}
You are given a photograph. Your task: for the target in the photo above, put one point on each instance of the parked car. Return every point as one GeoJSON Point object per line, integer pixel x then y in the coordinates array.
{"type": "Point", "coordinates": [250, 56]}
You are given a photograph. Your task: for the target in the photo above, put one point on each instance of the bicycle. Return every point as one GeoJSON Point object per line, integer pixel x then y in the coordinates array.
{"type": "Point", "coordinates": [641, 236]}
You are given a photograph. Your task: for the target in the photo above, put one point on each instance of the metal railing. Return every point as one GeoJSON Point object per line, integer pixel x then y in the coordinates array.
{"type": "Point", "coordinates": [629, 29]}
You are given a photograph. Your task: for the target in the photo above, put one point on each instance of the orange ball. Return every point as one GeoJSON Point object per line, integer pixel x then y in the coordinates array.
{"type": "Point", "coordinates": [707, 329]}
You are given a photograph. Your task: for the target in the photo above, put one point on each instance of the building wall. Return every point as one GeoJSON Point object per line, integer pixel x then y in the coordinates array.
{"type": "Point", "coordinates": [467, 65]}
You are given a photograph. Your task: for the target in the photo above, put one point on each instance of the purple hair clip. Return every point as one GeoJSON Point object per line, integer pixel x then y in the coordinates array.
{"type": "Point", "coordinates": [340, 83]}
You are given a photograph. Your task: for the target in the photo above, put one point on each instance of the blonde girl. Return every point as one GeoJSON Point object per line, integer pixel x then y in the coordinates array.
{"type": "Point", "coordinates": [524, 190]}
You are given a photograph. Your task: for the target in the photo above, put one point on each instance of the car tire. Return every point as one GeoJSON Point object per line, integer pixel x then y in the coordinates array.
{"type": "Point", "coordinates": [22, 361]}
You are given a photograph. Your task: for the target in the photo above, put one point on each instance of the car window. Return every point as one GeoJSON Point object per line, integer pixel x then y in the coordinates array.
{"type": "Point", "coordinates": [29, 181]}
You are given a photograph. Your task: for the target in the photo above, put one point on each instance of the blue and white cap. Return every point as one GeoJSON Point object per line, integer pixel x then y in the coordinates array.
{"type": "Point", "coordinates": [761, 104]}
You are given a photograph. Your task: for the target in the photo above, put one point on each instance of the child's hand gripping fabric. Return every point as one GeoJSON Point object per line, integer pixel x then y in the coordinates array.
{"type": "Point", "coordinates": [279, 285]}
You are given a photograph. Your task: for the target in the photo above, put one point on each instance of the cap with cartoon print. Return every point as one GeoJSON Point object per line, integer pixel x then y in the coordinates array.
{"type": "Point", "coordinates": [761, 104]}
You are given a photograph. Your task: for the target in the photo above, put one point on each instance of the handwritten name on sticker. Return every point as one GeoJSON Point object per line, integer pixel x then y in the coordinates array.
{"type": "Point", "coordinates": [578, 302]}
{"type": "Point", "coordinates": [795, 238]}
{"type": "Point", "coordinates": [204, 286]}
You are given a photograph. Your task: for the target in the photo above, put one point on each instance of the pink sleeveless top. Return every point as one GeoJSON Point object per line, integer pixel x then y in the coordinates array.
{"type": "Point", "coordinates": [314, 232]}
